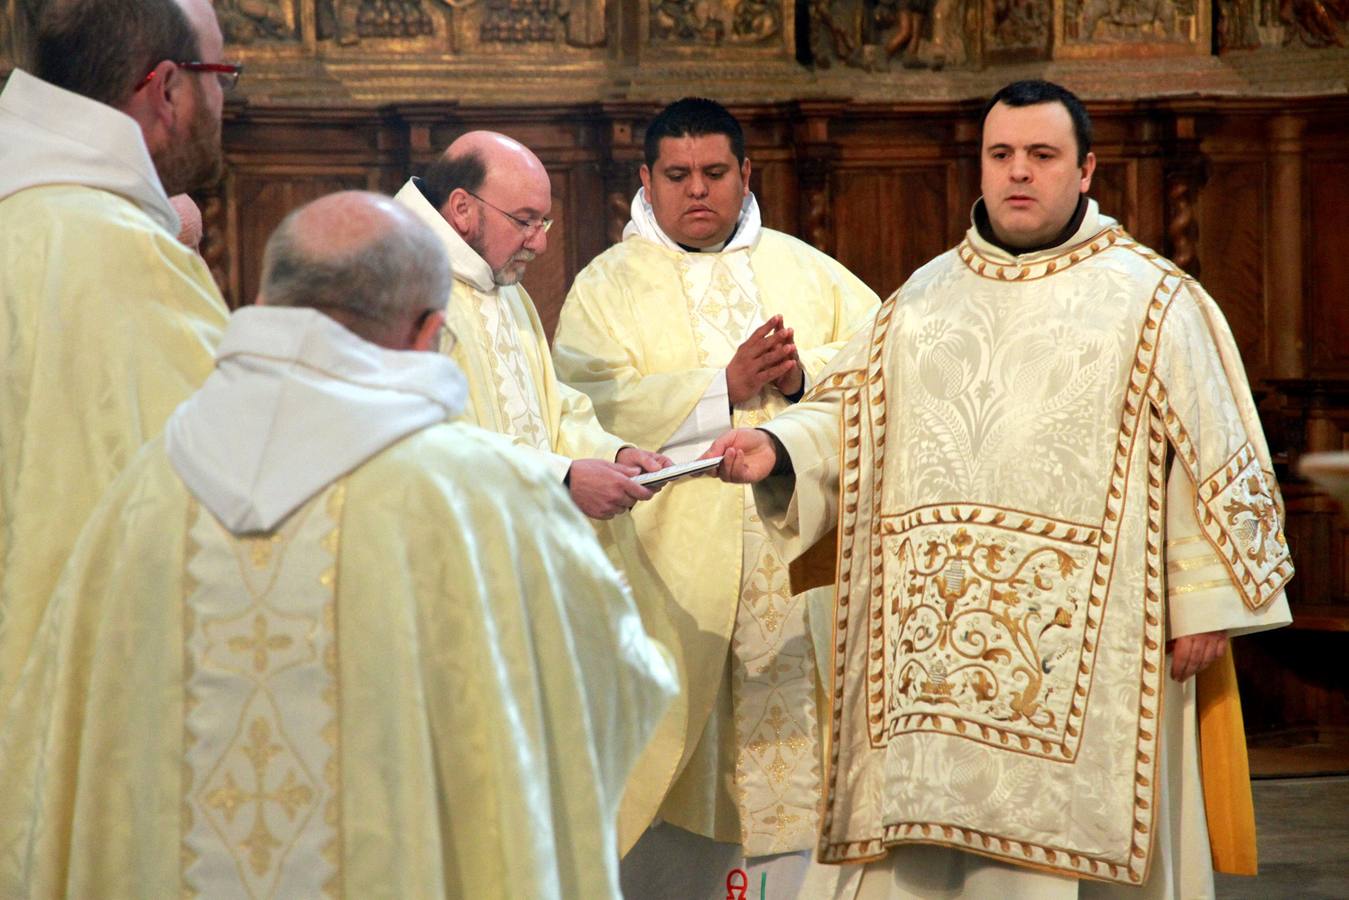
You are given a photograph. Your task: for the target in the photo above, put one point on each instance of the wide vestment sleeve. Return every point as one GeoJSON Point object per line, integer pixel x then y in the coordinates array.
{"type": "Point", "coordinates": [802, 509]}
{"type": "Point", "coordinates": [1204, 404]}
{"type": "Point", "coordinates": [108, 324]}
{"type": "Point", "coordinates": [608, 344]}
{"type": "Point", "coordinates": [575, 429]}
{"type": "Point", "coordinates": [530, 673]}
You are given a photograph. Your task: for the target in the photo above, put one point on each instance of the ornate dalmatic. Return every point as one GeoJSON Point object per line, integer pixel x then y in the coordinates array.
{"type": "Point", "coordinates": [261, 807]}
{"type": "Point", "coordinates": [777, 776]}
{"type": "Point", "coordinates": [1007, 428]}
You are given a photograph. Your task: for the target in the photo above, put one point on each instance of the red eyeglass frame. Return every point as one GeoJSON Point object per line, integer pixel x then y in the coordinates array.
{"type": "Point", "coordinates": [235, 69]}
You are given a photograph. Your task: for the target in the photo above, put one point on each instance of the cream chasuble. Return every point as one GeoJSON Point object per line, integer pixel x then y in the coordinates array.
{"type": "Point", "coordinates": [1013, 555]}
{"type": "Point", "coordinates": [397, 686]}
{"type": "Point", "coordinates": [513, 390]}
{"type": "Point", "coordinates": [106, 321]}
{"type": "Point", "coordinates": [646, 331]}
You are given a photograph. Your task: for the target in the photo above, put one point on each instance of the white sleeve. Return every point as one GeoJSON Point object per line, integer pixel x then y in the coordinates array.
{"type": "Point", "coordinates": [710, 418]}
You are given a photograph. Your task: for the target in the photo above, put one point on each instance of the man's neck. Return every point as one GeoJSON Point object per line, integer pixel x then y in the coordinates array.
{"type": "Point", "coordinates": [985, 229]}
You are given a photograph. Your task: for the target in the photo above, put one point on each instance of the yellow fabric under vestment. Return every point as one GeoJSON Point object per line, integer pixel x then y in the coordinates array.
{"type": "Point", "coordinates": [644, 331]}
{"type": "Point", "coordinates": [108, 323]}
{"type": "Point", "coordinates": [406, 689]}
{"type": "Point", "coordinates": [513, 390]}
{"type": "Point", "coordinates": [1013, 553]}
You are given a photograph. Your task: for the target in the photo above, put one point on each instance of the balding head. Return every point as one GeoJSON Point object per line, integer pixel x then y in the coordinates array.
{"type": "Point", "coordinates": [364, 260]}
{"type": "Point", "coordinates": [486, 186]}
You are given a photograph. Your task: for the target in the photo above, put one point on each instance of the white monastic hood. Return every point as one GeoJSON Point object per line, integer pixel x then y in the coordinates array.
{"type": "Point", "coordinates": [54, 136]}
{"type": "Point", "coordinates": [297, 401]}
{"type": "Point", "coordinates": [643, 225]}
{"type": "Point", "coordinates": [468, 266]}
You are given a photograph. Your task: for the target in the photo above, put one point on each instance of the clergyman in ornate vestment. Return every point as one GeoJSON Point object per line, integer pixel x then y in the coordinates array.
{"type": "Point", "coordinates": [699, 318]}
{"type": "Point", "coordinates": [314, 641]}
{"type": "Point", "coordinates": [1045, 469]}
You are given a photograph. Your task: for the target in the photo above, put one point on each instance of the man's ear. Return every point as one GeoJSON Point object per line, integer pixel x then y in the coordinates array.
{"type": "Point", "coordinates": [459, 210]}
{"type": "Point", "coordinates": [744, 175]}
{"type": "Point", "coordinates": [155, 106]}
{"type": "Point", "coordinates": [1088, 168]}
{"type": "Point", "coordinates": [645, 174]}
{"type": "Point", "coordinates": [426, 337]}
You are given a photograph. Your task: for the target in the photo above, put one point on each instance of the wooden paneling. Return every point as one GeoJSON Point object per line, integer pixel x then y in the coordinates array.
{"type": "Point", "coordinates": [1328, 266]}
{"type": "Point", "coordinates": [888, 222]}
{"type": "Point", "coordinates": [1232, 244]}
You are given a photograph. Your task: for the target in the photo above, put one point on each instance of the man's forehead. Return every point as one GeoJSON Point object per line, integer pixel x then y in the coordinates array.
{"type": "Point", "coordinates": [519, 190]}
{"type": "Point", "coordinates": [695, 150]}
{"type": "Point", "coordinates": [1039, 123]}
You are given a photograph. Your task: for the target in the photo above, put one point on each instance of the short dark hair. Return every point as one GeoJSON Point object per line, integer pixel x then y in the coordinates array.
{"type": "Point", "coordinates": [101, 49]}
{"type": "Point", "coordinates": [450, 173]}
{"type": "Point", "coordinates": [693, 117]}
{"type": "Point", "coordinates": [1033, 91]}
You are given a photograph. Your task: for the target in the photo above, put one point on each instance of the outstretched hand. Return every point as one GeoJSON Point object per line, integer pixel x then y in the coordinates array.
{"type": "Point", "coordinates": [1194, 653]}
{"type": "Point", "coordinates": [748, 455]}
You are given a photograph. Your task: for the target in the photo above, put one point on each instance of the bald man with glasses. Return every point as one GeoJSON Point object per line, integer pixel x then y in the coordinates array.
{"type": "Point", "coordinates": [106, 320]}
{"type": "Point", "coordinates": [488, 198]}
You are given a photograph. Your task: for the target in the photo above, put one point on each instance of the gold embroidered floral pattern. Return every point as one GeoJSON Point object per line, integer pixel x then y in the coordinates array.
{"type": "Point", "coordinates": [983, 624]}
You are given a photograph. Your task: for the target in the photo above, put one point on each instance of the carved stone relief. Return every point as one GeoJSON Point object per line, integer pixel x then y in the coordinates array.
{"type": "Point", "coordinates": [1315, 23]}
{"type": "Point", "coordinates": [835, 32]}
{"type": "Point", "coordinates": [715, 21]}
{"type": "Point", "coordinates": [248, 22]}
{"type": "Point", "coordinates": [578, 23]}
{"type": "Point", "coordinates": [1019, 25]}
{"type": "Point", "coordinates": [1131, 21]}
{"type": "Point", "coordinates": [349, 21]}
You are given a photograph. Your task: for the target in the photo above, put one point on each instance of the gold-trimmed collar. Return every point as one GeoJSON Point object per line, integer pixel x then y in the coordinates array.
{"type": "Point", "coordinates": [1096, 233]}
{"type": "Point", "coordinates": [1039, 267]}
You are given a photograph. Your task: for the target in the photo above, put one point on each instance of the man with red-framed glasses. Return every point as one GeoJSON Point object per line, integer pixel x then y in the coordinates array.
{"type": "Point", "coordinates": [106, 321]}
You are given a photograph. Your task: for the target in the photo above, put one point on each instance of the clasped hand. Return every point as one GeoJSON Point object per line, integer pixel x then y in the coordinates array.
{"type": "Point", "coordinates": [768, 356]}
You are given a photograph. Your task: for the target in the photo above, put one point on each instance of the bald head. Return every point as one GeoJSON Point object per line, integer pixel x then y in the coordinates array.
{"type": "Point", "coordinates": [495, 193]}
{"type": "Point", "coordinates": [362, 259]}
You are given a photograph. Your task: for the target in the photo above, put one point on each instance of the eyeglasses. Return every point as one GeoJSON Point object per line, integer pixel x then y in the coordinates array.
{"type": "Point", "coordinates": [528, 227]}
{"type": "Point", "coordinates": [226, 73]}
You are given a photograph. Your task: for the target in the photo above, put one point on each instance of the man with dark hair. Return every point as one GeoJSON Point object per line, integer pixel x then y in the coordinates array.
{"type": "Point", "coordinates": [1045, 472]}
{"type": "Point", "coordinates": [107, 321]}
{"type": "Point", "coordinates": [702, 318]}
{"type": "Point", "coordinates": [318, 633]}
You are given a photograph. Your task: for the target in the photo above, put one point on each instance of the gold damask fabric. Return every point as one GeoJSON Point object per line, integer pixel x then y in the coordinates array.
{"type": "Point", "coordinates": [644, 331]}
{"type": "Point", "coordinates": [96, 355]}
{"type": "Point", "coordinates": [1002, 435]}
{"type": "Point", "coordinates": [408, 689]}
